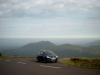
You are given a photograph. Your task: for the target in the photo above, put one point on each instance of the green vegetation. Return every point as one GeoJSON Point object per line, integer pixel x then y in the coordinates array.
{"type": "Point", "coordinates": [12, 58]}
{"type": "Point", "coordinates": [82, 62]}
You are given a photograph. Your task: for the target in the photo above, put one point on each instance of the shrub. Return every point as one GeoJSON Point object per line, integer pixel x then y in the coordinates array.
{"type": "Point", "coordinates": [74, 59]}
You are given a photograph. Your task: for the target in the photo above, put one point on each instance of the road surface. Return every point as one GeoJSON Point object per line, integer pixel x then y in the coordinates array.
{"type": "Point", "coordinates": [34, 68]}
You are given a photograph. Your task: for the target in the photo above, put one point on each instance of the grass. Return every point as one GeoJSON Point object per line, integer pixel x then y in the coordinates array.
{"type": "Point", "coordinates": [82, 62]}
{"type": "Point", "coordinates": [3, 58]}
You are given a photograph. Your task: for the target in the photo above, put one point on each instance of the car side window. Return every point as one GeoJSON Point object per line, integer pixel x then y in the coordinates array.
{"type": "Point", "coordinates": [42, 53]}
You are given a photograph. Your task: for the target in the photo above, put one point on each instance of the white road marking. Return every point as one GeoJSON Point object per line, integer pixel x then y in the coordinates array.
{"type": "Point", "coordinates": [50, 66]}
{"type": "Point", "coordinates": [21, 62]}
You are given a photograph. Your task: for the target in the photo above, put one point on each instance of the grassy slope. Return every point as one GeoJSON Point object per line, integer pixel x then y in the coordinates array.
{"type": "Point", "coordinates": [82, 62]}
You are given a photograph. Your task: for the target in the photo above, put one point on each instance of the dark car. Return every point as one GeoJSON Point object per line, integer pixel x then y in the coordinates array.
{"type": "Point", "coordinates": [47, 56]}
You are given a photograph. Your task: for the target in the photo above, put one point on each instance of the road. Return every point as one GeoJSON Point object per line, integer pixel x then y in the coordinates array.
{"type": "Point", "coordinates": [34, 68]}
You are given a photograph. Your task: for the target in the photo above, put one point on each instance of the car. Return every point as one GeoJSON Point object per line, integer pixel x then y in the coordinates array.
{"type": "Point", "coordinates": [47, 56]}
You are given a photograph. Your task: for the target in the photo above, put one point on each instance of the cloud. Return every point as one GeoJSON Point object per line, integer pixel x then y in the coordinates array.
{"type": "Point", "coordinates": [36, 7]}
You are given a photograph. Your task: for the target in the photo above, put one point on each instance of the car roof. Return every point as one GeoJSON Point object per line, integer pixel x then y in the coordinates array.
{"type": "Point", "coordinates": [48, 52]}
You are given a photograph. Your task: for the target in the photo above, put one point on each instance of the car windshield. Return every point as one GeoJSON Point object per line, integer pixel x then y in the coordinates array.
{"type": "Point", "coordinates": [49, 53]}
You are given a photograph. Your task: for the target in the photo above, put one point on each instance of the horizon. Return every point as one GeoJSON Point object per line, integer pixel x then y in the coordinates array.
{"type": "Point", "coordinates": [53, 40]}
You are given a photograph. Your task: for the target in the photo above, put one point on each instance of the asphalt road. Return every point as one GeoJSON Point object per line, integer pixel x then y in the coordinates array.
{"type": "Point", "coordinates": [34, 68]}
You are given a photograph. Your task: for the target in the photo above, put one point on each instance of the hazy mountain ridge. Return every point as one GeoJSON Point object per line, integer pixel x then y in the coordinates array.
{"type": "Point", "coordinates": [64, 50]}
{"type": "Point", "coordinates": [93, 43]}
{"type": "Point", "coordinates": [30, 49]}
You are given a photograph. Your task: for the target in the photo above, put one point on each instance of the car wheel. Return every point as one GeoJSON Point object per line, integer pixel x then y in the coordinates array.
{"type": "Point", "coordinates": [56, 61]}
{"type": "Point", "coordinates": [39, 59]}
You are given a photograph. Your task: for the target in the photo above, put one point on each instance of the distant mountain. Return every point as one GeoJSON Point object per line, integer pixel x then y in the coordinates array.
{"type": "Point", "coordinates": [94, 43]}
{"type": "Point", "coordinates": [64, 50]}
{"type": "Point", "coordinates": [67, 50]}
{"type": "Point", "coordinates": [30, 49]}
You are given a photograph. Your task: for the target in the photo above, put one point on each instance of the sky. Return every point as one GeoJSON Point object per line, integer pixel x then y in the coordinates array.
{"type": "Point", "coordinates": [49, 18]}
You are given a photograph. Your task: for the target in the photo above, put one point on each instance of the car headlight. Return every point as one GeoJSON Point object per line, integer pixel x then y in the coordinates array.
{"type": "Point", "coordinates": [56, 56]}
{"type": "Point", "coordinates": [48, 57]}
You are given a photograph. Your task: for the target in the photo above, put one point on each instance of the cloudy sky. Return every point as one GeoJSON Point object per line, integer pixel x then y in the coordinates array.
{"type": "Point", "coordinates": [49, 18]}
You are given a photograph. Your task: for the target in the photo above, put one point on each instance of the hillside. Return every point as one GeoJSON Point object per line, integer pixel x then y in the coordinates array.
{"type": "Point", "coordinates": [94, 43]}
{"type": "Point", "coordinates": [30, 49]}
{"type": "Point", "coordinates": [64, 50]}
